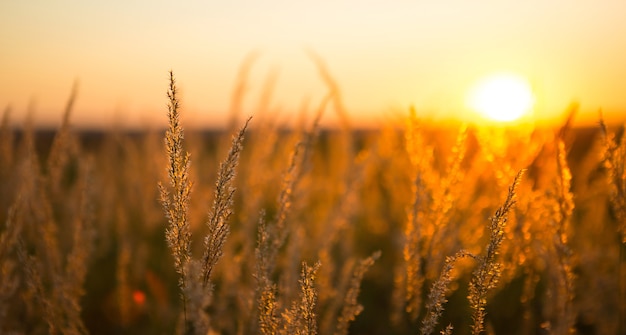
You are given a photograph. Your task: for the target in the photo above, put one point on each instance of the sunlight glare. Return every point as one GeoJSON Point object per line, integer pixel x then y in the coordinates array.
{"type": "Point", "coordinates": [501, 97]}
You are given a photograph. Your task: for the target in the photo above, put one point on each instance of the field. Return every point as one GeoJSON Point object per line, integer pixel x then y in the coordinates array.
{"type": "Point", "coordinates": [415, 227]}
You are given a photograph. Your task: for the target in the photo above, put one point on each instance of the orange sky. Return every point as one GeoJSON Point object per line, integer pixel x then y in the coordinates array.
{"type": "Point", "coordinates": [385, 56]}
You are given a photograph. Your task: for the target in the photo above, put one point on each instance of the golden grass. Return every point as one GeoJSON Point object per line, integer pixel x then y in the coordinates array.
{"type": "Point", "coordinates": [408, 228]}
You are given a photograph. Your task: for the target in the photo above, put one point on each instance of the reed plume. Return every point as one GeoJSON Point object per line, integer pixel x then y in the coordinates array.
{"type": "Point", "coordinates": [222, 206]}
{"type": "Point", "coordinates": [614, 160]}
{"type": "Point", "coordinates": [487, 274]}
{"type": "Point", "coordinates": [176, 202]}
{"type": "Point", "coordinates": [352, 307]}
{"type": "Point", "coordinates": [437, 296]}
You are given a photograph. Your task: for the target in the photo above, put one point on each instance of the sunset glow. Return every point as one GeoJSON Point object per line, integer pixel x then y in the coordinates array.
{"type": "Point", "coordinates": [384, 57]}
{"type": "Point", "coordinates": [313, 167]}
{"type": "Point", "coordinates": [501, 97]}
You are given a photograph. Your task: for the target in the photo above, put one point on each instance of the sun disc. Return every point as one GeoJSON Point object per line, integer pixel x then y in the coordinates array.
{"type": "Point", "coordinates": [501, 97]}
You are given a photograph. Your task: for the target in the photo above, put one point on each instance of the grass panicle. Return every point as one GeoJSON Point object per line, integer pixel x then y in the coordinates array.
{"type": "Point", "coordinates": [437, 295]}
{"type": "Point", "coordinates": [176, 201]}
{"type": "Point", "coordinates": [72, 284]}
{"type": "Point", "coordinates": [447, 331]}
{"type": "Point", "coordinates": [434, 196]}
{"type": "Point", "coordinates": [564, 322]}
{"type": "Point", "coordinates": [487, 274]}
{"type": "Point", "coordinates": [9, 281]}
{"type": "Point", "coordinates": [351, 306]}
{"type": "Point", "coordinates": [266, 290]}
{"type": "Point", "coordinates": [55, 241]}
{"type": "Point", "coordinates": [420, 155]}
{"type": "Point", "coordinates": [64, 147]}
{"type": "Point", "coordinates": [32, 269]}
{"type": "Point", "coordinates": [222, 206]}
{"type": "Point", "coordinates": [301, 318]}
{"type": "Point", "coordinates": [614, 160]}
{"type": "Point", "coordinates": [270, 240]}
{"type": "Point", "coordinates": [308, 300]}
{"type": "Point", "coordinates": [6, 140]}
{"type": "Point", "coordinates": [12, 229]}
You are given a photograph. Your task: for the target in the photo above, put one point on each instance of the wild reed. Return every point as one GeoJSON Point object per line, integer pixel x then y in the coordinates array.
{"type": "Point", "coordinates": [614, 161]}
{"type": "Point", "coordinates": [7, 140]}
{"type": "Point", "coordinates": [437, 295]}
{"type": "Point", "coordinates": [421, 156]}
{"type": "Point", "coordinates": [485, 277]}
{"type": "Point", "coordinates": [351, 307]}
{"type": "Point", "coordinates": [81, 240]}
{"type": "Point", "coordinates": [222, 205]}
{"type": "Point", "coordinates": [9, 282]}
{"type": "Point", "coordinates": [176, 204]}
{"type": "Point", "coordinates": [53, 215]}
{"type": "Point", "coordinates": [301, 318]}
{"type": "Point", "coordinates": [269, 242]}
{"type": "Point", "coordinates": [564, 323]}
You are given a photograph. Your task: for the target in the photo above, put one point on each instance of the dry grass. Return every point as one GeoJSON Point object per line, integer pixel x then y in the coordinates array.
{"type": "Point", "coordinates": [404, 229]}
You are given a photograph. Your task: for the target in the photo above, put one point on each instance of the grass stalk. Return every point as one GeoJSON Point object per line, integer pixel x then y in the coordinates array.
{"type": "Point", "coordinates": [351, 308]}
{"type": "Point", "coordinates": [222, 207]}
{"type": "Point", "coordinates": [487, 274]}
{"type": "Point", "coordinates": [176, 203]}
{"type": "Point", "coordinates": [437, 295]}
{"type": "Point", "coordinates": [614, 161]}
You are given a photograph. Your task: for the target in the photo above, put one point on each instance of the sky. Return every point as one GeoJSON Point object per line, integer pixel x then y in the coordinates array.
{"type": "Point", "coordinates": [385, 57]}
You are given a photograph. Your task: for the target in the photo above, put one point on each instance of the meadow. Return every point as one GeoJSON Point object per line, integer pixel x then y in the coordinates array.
{"type": "Point", "coordinates": [414, 227]}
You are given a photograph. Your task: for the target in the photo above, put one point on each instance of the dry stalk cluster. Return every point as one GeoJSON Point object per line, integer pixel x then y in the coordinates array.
{"type": "Point", "coordinates": [269, 228]}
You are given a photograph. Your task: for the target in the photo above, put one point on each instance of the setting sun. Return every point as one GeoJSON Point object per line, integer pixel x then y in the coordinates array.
{"type": "Point", "coordinates": [501, 97]}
